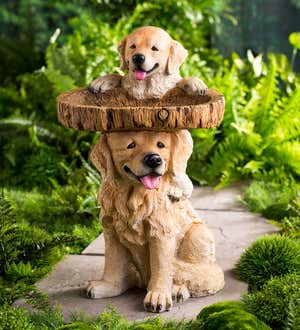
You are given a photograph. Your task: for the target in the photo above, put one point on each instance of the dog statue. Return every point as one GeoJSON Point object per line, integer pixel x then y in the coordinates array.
{"type": "Point", "coordinates": [151, 240]}
{"type": "Point", "coordinates": [151, 59]}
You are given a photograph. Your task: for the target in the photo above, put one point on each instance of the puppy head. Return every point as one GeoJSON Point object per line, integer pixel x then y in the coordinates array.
{"type": "Point", "coordinates": [149, 50]}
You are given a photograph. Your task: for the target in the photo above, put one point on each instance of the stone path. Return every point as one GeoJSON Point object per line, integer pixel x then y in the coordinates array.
{"type": "Point", "coordinates": [234, 229]}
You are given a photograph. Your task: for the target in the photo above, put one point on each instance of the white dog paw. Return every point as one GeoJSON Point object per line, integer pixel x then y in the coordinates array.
{"type": "Point", "coordinates": [193, 86]}
{"type": "Point", "coordinates": [175, 193]}
{"type": "Point", "coordinates": [102, 289]}
{"type": "Point", "coordinates": [181, 187]}
{"type": "Point", "coordinates": [180, 293]}
{"type": "Point", "coordinates": [105, 83]}
{"type": "Point", "coordinates": [157, 301]}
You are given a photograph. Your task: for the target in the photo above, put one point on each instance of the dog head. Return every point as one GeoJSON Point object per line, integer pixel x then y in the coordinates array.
{"type": "Point", "coordinates": [149, 50]}
{"type": "Point", "coordinates": [141, 158]}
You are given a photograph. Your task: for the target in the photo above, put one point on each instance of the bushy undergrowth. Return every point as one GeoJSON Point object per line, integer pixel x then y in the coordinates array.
{"type": "Point", "coordinates": [268, 257]}
{"type": "Point", "coordinates": [277, 303]}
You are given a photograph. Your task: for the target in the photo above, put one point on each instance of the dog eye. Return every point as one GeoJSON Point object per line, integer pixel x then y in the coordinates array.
{"type": "Point", "coordinates": [131, 145]}
{"type": "Point", "coordinates": [155, 49]}
{"type": "Point", "coordinates": [132, 46]}
{"type": "Point", "coordinates": [160, 145]}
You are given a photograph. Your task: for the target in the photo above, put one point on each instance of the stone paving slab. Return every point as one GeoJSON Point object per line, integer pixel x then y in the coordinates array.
{"type": "Point", "coordinates": [206, 198]}
{"type": "Point", "coordinates": [97, 247]}
{"type": "Point", "coordinates": [233, 231]}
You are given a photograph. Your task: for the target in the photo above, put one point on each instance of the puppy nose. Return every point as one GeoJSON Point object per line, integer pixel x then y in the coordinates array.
{"type": "Point", "coordinates": [138, 58]}
{"type": "Point", "coordinates": [152, 160]}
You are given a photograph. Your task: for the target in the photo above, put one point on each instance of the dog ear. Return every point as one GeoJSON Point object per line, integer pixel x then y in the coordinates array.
{"type": "Point", "coordinates": [176, 57]}
{"type": "Point", "coordinates": [101, 158]}
{"type": "Point", "coordinates": [181, 150]}
{"type": "Point", "coordinates": [121, 50]}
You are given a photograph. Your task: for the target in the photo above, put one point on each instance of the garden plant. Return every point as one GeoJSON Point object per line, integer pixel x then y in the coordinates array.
{"type": "Point", "coordinates": [48, 189]}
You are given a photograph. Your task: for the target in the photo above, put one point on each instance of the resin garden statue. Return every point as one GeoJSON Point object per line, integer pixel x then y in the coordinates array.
{"type": "Point", "coordinates": [153, 237]}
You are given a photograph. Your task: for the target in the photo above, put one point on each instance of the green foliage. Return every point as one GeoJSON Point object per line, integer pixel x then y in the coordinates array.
{"type": "Point", "coordinates": [228, 315]}
{"type": "Point", "coordinates": [291, 227]}
{"type": "Point", "coordinates": [274, 199]}
{"type": "Point", "coordinates": [293, 315]}
{"type": "Point", "coordinates": [22, 243]}
{"type": "Point", "coordinates": [12, 318]}
{"type": "Point", "coordinates": [273, 303]}
{"type": "Point", "coordinates": [268, 257]}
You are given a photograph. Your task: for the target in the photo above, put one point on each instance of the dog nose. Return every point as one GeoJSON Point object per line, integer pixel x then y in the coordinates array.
{"type": "Point", "coordinates": [138, 58]}
{"type": "Point", "coordinates": [152, 160]}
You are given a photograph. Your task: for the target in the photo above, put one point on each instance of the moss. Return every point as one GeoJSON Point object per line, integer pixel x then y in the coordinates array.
{"type": "Point", "coordinates": [12, 318]}
{"type": "Point", "coordinates": [218, 307]}
{"type": "Point", "coordinates": [268, 257]}
{"type": "Point", "coordinates": [228, 315]}
{"type": "Point", "coordinates": [272, 304]}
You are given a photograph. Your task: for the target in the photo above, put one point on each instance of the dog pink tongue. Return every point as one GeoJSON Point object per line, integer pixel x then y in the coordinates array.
{"type": "Point", "coordinates": [139, 74]}
{"type": "Point", "coordinates": [150, 181]}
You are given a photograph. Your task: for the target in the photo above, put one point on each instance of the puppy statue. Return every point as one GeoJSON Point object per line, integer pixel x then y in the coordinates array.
{"type": "Point", "coordinates": [151, 59]}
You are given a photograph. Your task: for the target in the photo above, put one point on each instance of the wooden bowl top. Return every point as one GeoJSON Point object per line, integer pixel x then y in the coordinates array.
{"type": "Point", "coordinates": [115, 110]}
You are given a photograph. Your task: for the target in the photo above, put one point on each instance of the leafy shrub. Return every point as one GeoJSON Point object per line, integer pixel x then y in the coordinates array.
{"type": "Point", "coordinates": [12, 318]}
{"type": "Point", "coordinates": [274, 199]}
{"type": "Point", "coordinates": [291, 227]}
{"type": "Point", "coordinates": [228, 315]}
{"type": "Point", "coordinates": [268, 257]}
{"type": "Point", "coordinates": [293, 317]}
{"type": "Point", "coordinates": [272, 304]}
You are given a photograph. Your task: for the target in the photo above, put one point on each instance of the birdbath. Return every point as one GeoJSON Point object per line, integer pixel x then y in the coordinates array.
{"type": "Point", "coordinates": [153, 237]}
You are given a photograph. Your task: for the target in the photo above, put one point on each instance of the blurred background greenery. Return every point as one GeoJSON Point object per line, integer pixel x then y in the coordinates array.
{"type": "Point", "coordinates": [246, 50]}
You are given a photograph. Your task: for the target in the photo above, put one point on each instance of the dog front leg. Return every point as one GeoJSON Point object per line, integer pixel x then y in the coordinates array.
{"type": "Point", "coordinates": [116, 277]}
{"type": "Point", "coordinates": [159, 296]}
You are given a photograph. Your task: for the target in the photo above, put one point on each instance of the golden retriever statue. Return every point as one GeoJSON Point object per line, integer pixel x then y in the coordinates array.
{"type": "Point", "coordinates": [151, 240]}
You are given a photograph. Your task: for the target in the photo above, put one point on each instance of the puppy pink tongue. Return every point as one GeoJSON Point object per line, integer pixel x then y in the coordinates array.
{"type": "Point", "coordinates": [139, 74]}
{"type": "Point", "coordinates": [150, 181]}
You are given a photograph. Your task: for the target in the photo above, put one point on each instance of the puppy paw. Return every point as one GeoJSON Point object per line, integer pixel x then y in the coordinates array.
{"type": "Point", "coordinates": [180, 293]}
{"type": "Point", "coordinates": [157, 301]}
{"type": "Point", "coordinates": [102, 289]}
{"type": "Point", "coordinates": [193, 86]}
{"type": "Point", "coordinates": [105, 83]}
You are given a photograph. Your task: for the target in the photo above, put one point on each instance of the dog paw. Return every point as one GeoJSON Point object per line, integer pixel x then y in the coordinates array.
{"type": "Point", "coordinates": [157, 301]}
{"type": "Point", "coordinates": [193, 86]}
{"type": "Point", "coordinates": [105, 83]}
{"type": "Point", "coordinates": [175, 194]}
{"type": "Point", "coordinates": [180, 293]}
{"type": "Point", "coordinates": [102, 289]}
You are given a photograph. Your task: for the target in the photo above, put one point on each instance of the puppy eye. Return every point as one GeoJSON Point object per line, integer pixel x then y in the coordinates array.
{"type": "Point", "coordinates": [132, 46]}
{"type": "Point", "coordinates": [131, 145]}
{"type": "Point", "coordinates": [155, 49]}
{"type": "Point", "coordinates": [160, 145]}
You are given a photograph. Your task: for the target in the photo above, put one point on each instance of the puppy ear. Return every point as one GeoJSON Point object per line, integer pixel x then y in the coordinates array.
{"type": "Point", "coordinates": [121, 50]}
{"type": "Point", "coordinates": [176, 57]}
{"type": "Point", "coordinates": [101, 158]}
{"type": "Point", "coordinates": [181, 150]}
